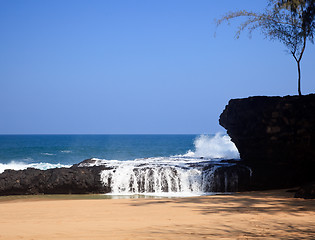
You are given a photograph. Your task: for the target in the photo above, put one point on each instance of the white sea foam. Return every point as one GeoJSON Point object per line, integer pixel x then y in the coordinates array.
{"type": "Point", "coordinates": [65, 151]}
{"type": "Point", "coordinates": [161, 194]}
{"type": "Point", "coordinates": [218, 146]}
{"type": "Point", "coordinates": [48, 154]}
{"type": "Point", "coordinates": [28, 159]}
{"type": "Point", "coordinates": [21, 166]}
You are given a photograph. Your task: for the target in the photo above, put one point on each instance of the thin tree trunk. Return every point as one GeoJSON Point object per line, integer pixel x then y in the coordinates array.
{"type": "Point", "coordinates": [299, 78]}
{"type": "Point", "coordinates": [298, 63]}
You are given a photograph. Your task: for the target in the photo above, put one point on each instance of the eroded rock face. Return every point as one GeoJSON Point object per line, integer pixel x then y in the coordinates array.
{"type": "Point", "coordinates": [52, 181]}
{"type": "Point", "coordinates": [307, 191]}
{"type": "Point", "coordinates": [234, 178]}
{"type": "Point", "coordinates": [275, 137]}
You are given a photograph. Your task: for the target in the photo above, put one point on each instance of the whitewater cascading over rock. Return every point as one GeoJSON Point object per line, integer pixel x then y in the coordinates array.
{"type": "Point", "coordinates": [172, 175]}
{"type": "Point", "coordinates": [145, 176]}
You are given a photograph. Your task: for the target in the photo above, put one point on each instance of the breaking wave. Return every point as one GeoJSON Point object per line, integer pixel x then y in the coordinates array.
{"type": "Point", "coordinates": [65, 151]}
{"type": "Point", "coordinates": [21, 166]}
{"type": "Point", "coordinates": [48, 154]}
{"type": "Point", "coordinates": [218, 146]}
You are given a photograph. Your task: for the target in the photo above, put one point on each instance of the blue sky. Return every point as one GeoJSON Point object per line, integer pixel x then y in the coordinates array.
{"type": "Point", "coordinates": [103, 67]}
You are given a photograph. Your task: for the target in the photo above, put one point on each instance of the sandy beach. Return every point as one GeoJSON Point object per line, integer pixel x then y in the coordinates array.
{"type": "Point", "coordinates": [251, 215]}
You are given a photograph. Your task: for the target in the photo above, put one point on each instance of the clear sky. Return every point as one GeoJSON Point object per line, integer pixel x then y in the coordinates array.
{"type": "Point", "coordinates": [103, 67]}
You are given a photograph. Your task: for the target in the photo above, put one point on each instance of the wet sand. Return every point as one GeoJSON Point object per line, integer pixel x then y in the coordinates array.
{"type": "Point", "coordinates": [251, 215]}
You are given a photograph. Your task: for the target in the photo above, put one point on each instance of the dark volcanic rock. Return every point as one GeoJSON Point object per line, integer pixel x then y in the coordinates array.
{"type": "Point", "coordinates": [275, 137]}
{"type": "Point", "coordinates": [228, 176]}
{"type": "Point", "coordinates": [52, 181]}
{"type": "Point", "coordinates": [232, 178]}
{"type": "Point", "coordinates": [307, 191]}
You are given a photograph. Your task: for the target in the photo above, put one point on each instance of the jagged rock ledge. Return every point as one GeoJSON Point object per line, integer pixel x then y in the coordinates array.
{"type": "Point", "coordinates": [82, 178]}
{"type": "Point", "coordinates": [74, 180]}
{"type": "Point", "coordinates": [275, 137]}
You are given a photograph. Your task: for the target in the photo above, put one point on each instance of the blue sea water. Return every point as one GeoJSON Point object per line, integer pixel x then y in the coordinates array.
{"type": "Point", "coordinates": [47, 151]}
{"type": "Point", "coordinates": [71, 149]}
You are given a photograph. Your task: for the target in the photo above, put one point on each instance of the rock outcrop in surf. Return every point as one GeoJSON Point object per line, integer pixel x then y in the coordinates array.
{"type": "Point", "coordinates": [74, 180]}
{"type": "Point", "coordinates": [97, 176]}
{"type": "Point", "coordinates": [275, 137]}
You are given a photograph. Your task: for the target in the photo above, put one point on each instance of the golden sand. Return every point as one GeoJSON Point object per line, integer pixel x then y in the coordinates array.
{"type": "Point", "coordinates": [253, 215]}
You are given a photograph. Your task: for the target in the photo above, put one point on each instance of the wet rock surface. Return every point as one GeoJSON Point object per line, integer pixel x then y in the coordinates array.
{"type": "Point", "coordinates": [275, 137]}
{"type": "Point", "coordinates": [232, 178]}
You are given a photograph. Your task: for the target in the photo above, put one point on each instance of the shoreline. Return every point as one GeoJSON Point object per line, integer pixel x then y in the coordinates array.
{"type": "Point", "coordinates": [248, 215]}
{"type": "Point", "coordinates": [100, 196]}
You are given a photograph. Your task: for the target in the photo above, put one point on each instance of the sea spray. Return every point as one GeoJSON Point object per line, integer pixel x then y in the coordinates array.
{"type": "Point", "coordinates": [218, 146]}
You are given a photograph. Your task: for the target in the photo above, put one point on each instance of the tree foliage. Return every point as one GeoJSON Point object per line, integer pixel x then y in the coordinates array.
{"type": "Point", "coordinates": [291, 22]}
{"type": "Point", "coordinates": [305, 9]}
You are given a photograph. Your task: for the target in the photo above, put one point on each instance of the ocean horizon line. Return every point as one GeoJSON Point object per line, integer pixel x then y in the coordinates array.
{"type": "Point", "coordinates": [74, 134]}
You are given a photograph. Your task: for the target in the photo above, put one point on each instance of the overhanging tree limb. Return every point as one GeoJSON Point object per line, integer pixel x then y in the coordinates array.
{"type": "Point", "coordinates": [292, 22]}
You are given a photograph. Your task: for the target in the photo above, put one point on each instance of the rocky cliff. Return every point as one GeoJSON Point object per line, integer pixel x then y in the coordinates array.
{"type": "Point", "coordinates": [275, 137]}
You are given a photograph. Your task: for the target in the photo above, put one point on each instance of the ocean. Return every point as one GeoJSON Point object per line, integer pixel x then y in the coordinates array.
{"type": "Point", "coordinates": [164, 163]}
